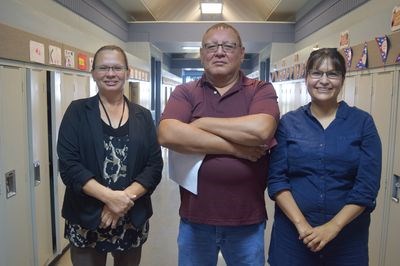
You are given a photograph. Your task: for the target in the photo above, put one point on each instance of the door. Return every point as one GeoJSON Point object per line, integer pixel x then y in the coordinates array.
{"type": "Point", "coordinates": [16, 239]}
{"type": "Point", "coordinates": [39, 164]}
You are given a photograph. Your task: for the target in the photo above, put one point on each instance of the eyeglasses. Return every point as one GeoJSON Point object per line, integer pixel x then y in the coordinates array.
{"type": "Point", "coordinates": [316, 74]}
{"type": "Point", "coordinates": [105, 69]}
{"type": "Point", "coordinates": [227, 47]}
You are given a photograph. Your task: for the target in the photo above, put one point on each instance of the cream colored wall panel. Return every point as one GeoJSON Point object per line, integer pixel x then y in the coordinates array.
{"type": "Point", "coordinates": [40, 155]}
{"type": "Point", "coordinates": [381, 111]}
{"type": "Point", "coordinates": [16, 226]}
{"type": "Point", "coordinates": [363, 92]}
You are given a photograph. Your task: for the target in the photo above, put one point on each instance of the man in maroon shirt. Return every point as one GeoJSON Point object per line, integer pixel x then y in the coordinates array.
{"type": "Point", "coordinates": [232, 119]}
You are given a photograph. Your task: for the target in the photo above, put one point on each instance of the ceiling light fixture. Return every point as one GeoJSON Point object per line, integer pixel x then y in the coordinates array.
{"type": "Point", "coordinates": [211, 7]}
{"type": "Point", "coordinates": [190, 48]}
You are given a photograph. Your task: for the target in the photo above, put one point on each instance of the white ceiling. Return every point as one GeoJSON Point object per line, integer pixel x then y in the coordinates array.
{"type": "Point", "coordinates": [138, 11]}
{"type": "Point", "coordinates": [189, 10]}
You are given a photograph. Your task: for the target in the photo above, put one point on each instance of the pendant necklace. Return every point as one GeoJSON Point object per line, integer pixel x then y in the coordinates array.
{"type": "Point", "coordinates": [105, 111]}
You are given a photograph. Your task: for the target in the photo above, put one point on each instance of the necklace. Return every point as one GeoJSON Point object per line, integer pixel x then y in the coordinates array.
{"type": "Point", "coordinates": [105, 111]}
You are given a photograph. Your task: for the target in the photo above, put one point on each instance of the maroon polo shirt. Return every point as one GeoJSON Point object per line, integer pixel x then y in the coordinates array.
{"type": "Point", "coordinates": [230, 190]}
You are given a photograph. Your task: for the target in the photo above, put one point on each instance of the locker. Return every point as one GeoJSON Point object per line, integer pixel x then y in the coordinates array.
{"type": "Point", "coordinates": [348, 91]}
{"type": "Point", "coordinates": [57, 190]}
{"type": "Point", "coordinates": [392, 254]}
{"type": "Point", "coordinates": [381, 107]}
{"type": "Point", "coordinates": [67, 87]}
{"type": "Point", "coordinates": [15, 219]}
{"type": "Point", "coordinates": [363, 92]}
{"type": "Point", "coordinates": [39, 164]}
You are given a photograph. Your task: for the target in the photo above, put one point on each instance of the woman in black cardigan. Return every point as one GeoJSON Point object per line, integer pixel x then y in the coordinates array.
{"type": "Point", "coordinates": [110, 162]}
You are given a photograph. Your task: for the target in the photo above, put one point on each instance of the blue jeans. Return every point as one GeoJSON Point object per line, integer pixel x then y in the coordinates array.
{"type": "Point", "coordinates": [199, 244]}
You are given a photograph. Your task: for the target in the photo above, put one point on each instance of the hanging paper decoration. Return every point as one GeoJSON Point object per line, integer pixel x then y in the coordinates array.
{"type": "Point", "coordinates": [383, 43]}
{"type": "Point", "coordinates": [398, 59]}
{"type": "Point", "coordinates": [362, 63]}
{"type": "Point", "coordinates": [348, 52]}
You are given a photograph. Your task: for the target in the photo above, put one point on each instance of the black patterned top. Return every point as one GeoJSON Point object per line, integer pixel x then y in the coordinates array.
{"type": "Point", "coordinates": [125, 235]}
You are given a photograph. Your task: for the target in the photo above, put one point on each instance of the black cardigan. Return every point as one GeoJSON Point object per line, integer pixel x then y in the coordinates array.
{"type": "Point", "coordinates": [81, 157]}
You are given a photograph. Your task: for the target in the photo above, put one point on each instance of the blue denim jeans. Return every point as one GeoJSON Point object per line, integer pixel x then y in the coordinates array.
{"type": "Point", "coordinates": [199, 244]}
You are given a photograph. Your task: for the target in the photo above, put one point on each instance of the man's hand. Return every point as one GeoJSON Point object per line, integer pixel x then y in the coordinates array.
{"type": "Point", "coordinates": [251, 153]}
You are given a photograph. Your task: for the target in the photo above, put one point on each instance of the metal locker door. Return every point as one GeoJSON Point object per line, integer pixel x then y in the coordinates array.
{"type": "Point", "coordinates": [349, 90]}
{"type": "Point", "coordinates": [297, 95]}
{"type": "Point", "coordinates": [305, 97]}
{"type": "Point", "coordinates": [392, 256]}
{"type": "Point", "coordinates": [82, 86]}
{"type": "Point", "coordinates": [67, 88]}
{"type": "Point", "coordinates": [363, 92]}
{"type": "Point", "coordinates": [57, 110]}
{"type": "Point", "coordinates": [39, 164]}
{"type": "Point", "coordinates": [16, 217]}
{"type": "Point", "coordinates": [381, 109]}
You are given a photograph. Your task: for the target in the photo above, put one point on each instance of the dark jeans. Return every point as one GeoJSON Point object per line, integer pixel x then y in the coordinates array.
{"type": "Point", "coordinates": [92, 257]}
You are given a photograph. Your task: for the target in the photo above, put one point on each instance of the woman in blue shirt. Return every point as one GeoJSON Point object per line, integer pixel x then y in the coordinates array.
{"type": "Point", "coordinates": [324, 174]}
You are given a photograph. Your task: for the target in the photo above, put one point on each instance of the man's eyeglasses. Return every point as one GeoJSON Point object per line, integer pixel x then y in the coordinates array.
{"type": "Point", "coordinates": [105, 69]}
{"type": "Point", "coordinates": [227, 47]}
{"type": "Point", "coordinates": [316, 74]}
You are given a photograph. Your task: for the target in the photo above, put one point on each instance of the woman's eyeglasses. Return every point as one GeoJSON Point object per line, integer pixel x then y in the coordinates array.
{"type": "Point", "coordinates": [316, 74]}
{"type": "Point", "coordinates": [105, 69]}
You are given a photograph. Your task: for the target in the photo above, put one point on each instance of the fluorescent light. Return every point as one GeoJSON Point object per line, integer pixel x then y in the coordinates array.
{"type": "Point", "coordinates": [211, 8]}
{"type": "Point", "coordinates": [190, 47]}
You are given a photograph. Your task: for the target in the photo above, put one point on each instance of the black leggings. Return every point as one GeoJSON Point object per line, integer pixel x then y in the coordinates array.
{"type": "Point", "coordinates": [92, 257]}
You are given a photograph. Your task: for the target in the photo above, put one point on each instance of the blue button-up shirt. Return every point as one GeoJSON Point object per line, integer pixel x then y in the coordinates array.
{"type": "Point", "coordinates": [325, 169]}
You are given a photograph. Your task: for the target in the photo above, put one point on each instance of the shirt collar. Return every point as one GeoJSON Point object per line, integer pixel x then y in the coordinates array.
{"type": "Point", "coordinates": [342, 112]}
{"type": "Point", "coordinates": [242, 81]}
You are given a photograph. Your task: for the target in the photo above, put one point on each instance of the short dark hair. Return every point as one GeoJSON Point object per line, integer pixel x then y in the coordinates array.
{"type": "Point", "coordinates": [317, 57]}
{"type": "Point", "coordinates": [110, 48]}
{"type": "Point", "coordinates": [219, 26]}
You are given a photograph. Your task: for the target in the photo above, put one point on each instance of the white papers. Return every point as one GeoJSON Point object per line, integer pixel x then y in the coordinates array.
{"type": "Point", "coordinates": [183, 169]}
{"type": "Point", "coordinates": [36, 52]}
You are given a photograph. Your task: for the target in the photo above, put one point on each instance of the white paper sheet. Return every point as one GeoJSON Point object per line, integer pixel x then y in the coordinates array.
{"type": "Point", "coordinates": [183, 169]}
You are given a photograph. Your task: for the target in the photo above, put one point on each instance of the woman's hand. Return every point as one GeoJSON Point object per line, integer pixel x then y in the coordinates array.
{"type": "Point", "coordinates": [108, 218]}
{"type": "Point", "coordinates": [321, 235]}
{"type": "Point", "coordinates": [119, 202]}
{"type": "Point", "coordinates": [304, 229]}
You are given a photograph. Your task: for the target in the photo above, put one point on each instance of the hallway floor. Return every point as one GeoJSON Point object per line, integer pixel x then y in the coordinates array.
{"type": "Point", "coordinates": [161, 247]}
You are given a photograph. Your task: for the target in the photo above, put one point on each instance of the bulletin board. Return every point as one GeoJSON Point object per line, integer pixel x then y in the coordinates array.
{"type": "Point", "coordinates": [17, 45]}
